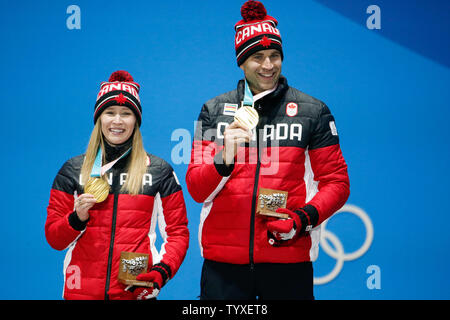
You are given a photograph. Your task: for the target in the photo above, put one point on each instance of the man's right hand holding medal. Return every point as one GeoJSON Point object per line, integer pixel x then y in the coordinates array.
{"type": "Point", "coordinates": [82, 205]}
{"type": "Point", "coordinates": [234, 135]}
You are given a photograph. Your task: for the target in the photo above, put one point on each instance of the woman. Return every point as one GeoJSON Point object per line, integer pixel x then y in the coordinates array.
{"type": "Point", "coordinates": [109, 201]}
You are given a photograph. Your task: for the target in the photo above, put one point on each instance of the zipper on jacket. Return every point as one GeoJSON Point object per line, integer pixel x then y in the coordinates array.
{"type": "Point", "coordinates": [252, 217]}
{"type": "Point", "coordinates": [111, 244]}
{"type": "Point", "coordinates": [254, 202]}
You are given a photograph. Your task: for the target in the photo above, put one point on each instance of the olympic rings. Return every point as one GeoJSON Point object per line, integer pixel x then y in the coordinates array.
{"type": "Point", "coordinates": [338, 252]}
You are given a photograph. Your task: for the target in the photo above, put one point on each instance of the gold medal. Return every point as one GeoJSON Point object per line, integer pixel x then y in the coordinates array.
{"type": "Point", "coordinates": [247, 116]}
{"type": "Point", "coordinates": [98, 187]}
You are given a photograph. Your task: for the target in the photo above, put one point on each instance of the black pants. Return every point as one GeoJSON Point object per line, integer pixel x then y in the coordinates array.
{"type": "Point", "coordinates": [267, 281]}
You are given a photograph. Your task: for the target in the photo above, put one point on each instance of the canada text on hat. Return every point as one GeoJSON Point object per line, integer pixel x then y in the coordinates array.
{"type": "Point", "coordinates": [106, 87]}
{"type": "Point", "coordinates": [119, 90]}
{"type": "Point", "coordinates": [257, 31]}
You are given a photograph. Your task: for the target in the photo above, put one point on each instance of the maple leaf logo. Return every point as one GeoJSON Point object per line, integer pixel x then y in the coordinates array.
{"type": "Point", "coordinates": [265, 42]}
{"type": "Point", "coordinates": [120, 99]}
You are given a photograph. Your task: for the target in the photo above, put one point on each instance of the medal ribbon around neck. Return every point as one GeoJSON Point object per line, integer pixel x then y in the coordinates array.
{"type": "Point", "coordinates": [249, 99]}
{"type": "Point", "coordinates": [97, 186]}
{"type": "Point", "coordinates": [248, 96]}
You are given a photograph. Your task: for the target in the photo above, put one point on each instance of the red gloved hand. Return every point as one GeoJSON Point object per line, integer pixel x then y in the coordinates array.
{"type": "Point", "coordinates": [282, 230]}
{"type": "Point", "coordinates": [159, 274]}
{"type": "Point", "coordinates": [299, 222]}
{"type": "Point", "coordinates": [145, 293]}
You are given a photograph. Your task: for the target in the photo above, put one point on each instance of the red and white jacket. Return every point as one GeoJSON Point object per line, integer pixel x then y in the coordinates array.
{"type": "Point", "coordinates": [295, 148]}
{"type": "Point", "coordinates": [120, 223]}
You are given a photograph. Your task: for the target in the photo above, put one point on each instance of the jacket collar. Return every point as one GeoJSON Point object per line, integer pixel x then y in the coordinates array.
{"type": "Point", "coordinates": [114, 152]}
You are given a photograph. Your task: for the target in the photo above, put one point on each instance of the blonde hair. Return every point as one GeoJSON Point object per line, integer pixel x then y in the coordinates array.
{"type": "Point", "coordinates": [137, 164]}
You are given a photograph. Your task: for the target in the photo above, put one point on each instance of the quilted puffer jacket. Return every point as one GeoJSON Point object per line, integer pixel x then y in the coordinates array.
{"type": "Point", "coordinates": [295, 148]}
{"type": "Point", "coordinates": [120, 223]}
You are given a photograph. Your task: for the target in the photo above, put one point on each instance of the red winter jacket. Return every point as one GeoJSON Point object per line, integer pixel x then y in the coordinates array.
{"type": "Point", "coordinates": [120, 223]}
{"type": "Point", "coordinates": [295, 149]}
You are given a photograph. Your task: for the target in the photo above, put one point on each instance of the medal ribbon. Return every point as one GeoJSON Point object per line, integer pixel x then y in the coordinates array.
{"type": "Point", "coordinates": [248, 96]}
{"type": "Point", "coordinates": [249, 99]}
{"type": "Point", "coordinates": [97, 169]}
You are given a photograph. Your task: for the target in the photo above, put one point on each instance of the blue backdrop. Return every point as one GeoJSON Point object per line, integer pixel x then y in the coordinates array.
{"type": "Point", "coordinates": [388, 89]}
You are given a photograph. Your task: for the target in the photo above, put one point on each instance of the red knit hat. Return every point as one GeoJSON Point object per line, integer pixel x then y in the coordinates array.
{"type": "Point", "coordinates": [119, 90]}
{"type": "Point", "coordinates": [257, 31]}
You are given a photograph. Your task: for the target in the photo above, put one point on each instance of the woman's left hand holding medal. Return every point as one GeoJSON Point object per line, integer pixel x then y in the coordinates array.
{"type": "Point", "coordinates": [82, 205]}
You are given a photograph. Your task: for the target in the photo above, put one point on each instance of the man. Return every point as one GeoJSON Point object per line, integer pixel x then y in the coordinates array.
{"type": "Point", "coordinates": [294, 148]}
